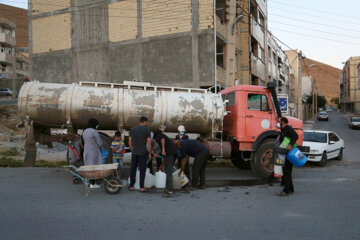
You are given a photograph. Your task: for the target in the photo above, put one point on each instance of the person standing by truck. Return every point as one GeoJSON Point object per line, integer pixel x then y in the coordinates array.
{"type": "Point", "coordinates": [92, 146]}
{"type": "Point", "coordinates": [287, 131]}
{"type": "Point", "coordinates": [118, 150]}
{"type": "Point", "coordinates": [139, 136]}
{"type": "Point", "coordinates": [168, 151]}
{"type": "Point", "coordinates": [193, 148]}
{"type": "Point", "coordinates": [181, 136]}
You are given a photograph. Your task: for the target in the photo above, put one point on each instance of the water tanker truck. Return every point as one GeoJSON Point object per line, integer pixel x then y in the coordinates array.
{"type": "Point", "coordinates": [240, 123]}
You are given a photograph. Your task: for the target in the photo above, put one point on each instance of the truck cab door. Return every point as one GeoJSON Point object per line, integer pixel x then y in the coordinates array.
{"type": "Point", "coordinates": [258, 115]}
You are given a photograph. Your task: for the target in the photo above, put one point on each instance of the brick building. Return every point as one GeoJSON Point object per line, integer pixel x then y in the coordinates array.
{"type": "Point", "coordinates": [162, 42]}
{"type": "Point", "coordinates": [14, 56]}
{"type": "Point", "coordinates": [350, 85]}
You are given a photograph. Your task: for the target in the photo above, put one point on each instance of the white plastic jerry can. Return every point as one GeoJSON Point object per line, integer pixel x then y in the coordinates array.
{"type": "Point", "coordinates": [160, 179]}
{"type": "Point", "coordinates": [137, 180]}
{"type": "Point", "coordinates": [148, 178]}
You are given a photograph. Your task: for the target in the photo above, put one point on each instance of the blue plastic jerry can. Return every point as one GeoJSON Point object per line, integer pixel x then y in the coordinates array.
{"type": "Point", "coordinates": [296, 157]}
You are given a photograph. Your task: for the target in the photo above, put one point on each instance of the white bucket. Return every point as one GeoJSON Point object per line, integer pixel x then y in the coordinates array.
{"type": "Point", "coordinates": [278, 171]}
{"type": "Point", "coordinates": [160, 179]}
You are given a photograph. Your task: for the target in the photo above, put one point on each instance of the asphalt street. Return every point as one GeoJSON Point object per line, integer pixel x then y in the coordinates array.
{"type": "Point", "coordinates": [43, 204]}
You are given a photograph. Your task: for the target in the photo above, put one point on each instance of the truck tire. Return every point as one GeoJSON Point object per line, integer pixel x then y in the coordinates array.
{"type": "Point", "coordinates": [238, 162]}
{"type": "Point", "coordinates": [106, 143]}
{"type": "Point", "coordinates": [262, 162]}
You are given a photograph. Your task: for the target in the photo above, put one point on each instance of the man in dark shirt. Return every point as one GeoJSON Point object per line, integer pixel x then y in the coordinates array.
{"type": "Point", "coordinates": [193, 148]}
{"type": "Point", "coordinates": [168, 151]}
{"type": "Point", "coordinates": [287, 131]}
{"type": "Point", "coordinates": [139, 136]}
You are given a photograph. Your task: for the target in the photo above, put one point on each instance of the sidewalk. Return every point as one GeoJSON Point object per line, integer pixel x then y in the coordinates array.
{"type": "Point", "coordinates": [309, 124]}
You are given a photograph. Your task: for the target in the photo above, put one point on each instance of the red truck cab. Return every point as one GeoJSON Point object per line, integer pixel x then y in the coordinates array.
{"type": "Point", "coordinates": [252, 122]}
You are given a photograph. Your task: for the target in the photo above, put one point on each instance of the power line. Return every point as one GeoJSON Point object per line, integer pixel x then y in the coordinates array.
{"type": "Point", "coordinates": [317, 30]}
{"type": "Point", "coordinates": [316, 16]}
{"type": "Point", "coordinates": [311, 9]}
{"type": "Point", "coordinates": [308, 35]}
{"type": "Point", "coordinates": [326, 25]}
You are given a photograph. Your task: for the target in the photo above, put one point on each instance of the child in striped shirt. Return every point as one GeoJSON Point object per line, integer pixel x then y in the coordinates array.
{"type": "Point", "coordinates": [118, 150]}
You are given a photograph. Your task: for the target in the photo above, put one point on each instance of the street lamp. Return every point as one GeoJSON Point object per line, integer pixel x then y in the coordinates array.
{"type": "Point", "coordinates": [237, 19]}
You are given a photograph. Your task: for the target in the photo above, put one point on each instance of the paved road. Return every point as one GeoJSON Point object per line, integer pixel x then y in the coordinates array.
{"type": "Point", "coordinates": [41, 204]}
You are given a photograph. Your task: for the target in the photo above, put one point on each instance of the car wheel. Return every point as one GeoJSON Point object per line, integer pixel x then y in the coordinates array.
{"type": "Point", "coordinates": [340, 156]}
{"type": "Point", "coordinates": [323, 160]}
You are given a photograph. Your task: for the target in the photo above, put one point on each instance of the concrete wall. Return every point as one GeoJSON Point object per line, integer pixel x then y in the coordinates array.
{"type": "Point", "coordinates": [113, 41]}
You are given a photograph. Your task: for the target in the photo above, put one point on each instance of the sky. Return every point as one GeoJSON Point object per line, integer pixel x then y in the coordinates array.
{"type": "Point", "coordinates": [327, 31]}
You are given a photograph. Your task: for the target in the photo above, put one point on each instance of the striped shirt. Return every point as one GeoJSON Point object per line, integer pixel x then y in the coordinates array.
{"type": "Point", "coordinates": [119, 152]}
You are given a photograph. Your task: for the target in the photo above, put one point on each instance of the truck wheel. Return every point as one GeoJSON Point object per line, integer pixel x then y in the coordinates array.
{"type": "Point", "coordinates": [262, 162]}
{"type": "Point", "coordinates": [238, 162]}
{"type": "Point", "coordinates": [106, 143]}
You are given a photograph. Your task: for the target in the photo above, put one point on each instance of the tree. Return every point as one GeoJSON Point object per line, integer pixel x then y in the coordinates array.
{"type": "Point", "coordinates": [336, 101]}
{"type": "Point", "coordinates": [321, 100]}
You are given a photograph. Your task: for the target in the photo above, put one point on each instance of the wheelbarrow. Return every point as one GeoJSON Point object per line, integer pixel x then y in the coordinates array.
{"type": "Point", "coordinates": [105, 172]}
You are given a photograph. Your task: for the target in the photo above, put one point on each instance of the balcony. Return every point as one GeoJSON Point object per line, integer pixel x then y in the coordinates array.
{"type": "Point", "coordinates": [7, 58]}
{"type": "Point", "coordinates": [257, 67]}
{"type": "Point", "coordinates": [262, 6]}
{"type": "Point", "coordinates": [257, 32]}
{"type": "Point", "coordinates": [7, 40]}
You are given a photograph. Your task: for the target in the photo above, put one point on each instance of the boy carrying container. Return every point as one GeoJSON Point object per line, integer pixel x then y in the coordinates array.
{"type": "Point", "coordinates": [118, 150]}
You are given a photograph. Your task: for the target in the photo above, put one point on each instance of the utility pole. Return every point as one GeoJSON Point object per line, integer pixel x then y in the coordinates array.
{"type": "Point", "coordinates": [14, 73]}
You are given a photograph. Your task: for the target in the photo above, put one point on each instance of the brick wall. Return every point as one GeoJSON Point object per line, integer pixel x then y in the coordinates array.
{"type": "Point", "coordinates": [163, 17]}
{"type": "Point", "coordinates": [41, 6]}
{"type": "Point", "coordinates": [122, 21]}
{"type": "Point", "coordinates": [51, 33]}
{"type": "Point", "coordinates": [206, 14]}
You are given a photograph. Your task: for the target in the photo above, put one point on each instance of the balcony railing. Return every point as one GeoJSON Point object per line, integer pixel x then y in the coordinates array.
{"type": "Point", "coordinates": [7, 39]}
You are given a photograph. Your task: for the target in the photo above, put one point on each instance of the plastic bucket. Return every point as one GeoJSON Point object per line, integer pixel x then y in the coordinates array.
{"type": "Point", "coordinates": [296, 157]}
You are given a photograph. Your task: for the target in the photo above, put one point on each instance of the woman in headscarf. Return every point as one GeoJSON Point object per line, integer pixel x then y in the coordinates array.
{"type": "Point", "coordinates": [92, 144]}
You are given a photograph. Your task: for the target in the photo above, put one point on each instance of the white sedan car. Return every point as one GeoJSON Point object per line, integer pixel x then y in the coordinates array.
{"type": "Point", "coordinates": [323, 145]}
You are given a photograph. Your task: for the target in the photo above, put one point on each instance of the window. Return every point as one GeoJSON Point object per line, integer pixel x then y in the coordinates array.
{"type": "Point", "coordinates": [220, 52]}
{"type": "Point", "coordinates": [236, 63]}
{"type": "Point", "coordinates": [230, 97]}
{"type": "Point", "coordinates": [254, 47]}
{"type": "Point", "coordinates": [221, 10]}
{"type": "Point", "coordinates": [258, 102]}
{"type": "Point", "coordinates": [2, 49]}
{"type": "Point", "coordinates": [9, 50]}
{"type": "Point", "coordinates": [333, 137]}
{"type": "Point", "coordinates": [261, 54]}
{"type": "Point", "coordinates": [261, 21]}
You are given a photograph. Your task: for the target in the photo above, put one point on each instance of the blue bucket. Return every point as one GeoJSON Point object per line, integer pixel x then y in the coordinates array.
{"type": "Point", "coordinates": [296, 157]}
{"type": "Point", "coordinates": [104, 154]}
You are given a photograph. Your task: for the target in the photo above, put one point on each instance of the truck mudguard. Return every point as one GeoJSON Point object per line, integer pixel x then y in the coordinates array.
{"type": "Point", "coordinates": [263, 136]}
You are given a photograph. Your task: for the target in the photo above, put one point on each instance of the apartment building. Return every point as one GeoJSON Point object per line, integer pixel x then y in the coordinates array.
{"type": "Point", "coordinates": [350, 85]}
{"type": "Point", "coordinates": [7, 48]}
{"type": "Point", "coordinates": [162, 42]}
{"type": "Point", "coordinates": [14, 56]}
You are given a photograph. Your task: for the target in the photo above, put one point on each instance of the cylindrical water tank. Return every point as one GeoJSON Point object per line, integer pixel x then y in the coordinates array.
{"type": "Point", "coordinates": [119, 106]}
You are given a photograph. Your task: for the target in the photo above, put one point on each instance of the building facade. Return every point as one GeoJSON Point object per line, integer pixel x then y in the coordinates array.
{"type": "Point", "coordinates": [350, 85]}
{"type": "Point", "coordinates": [14, 56]}
{"type": "Point", "coordinates": [162, 42]}
{"type": "Point", "coordinates": [7, 50]}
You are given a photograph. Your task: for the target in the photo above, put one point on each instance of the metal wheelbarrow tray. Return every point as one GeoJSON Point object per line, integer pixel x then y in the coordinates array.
{"type": "Point", "coordinates": [93, 172]}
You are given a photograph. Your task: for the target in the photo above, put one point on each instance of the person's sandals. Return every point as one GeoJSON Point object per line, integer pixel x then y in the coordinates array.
{"type": "Point", "coordinates": [145, 190]}
{"type": "Point", "coordinates": [282, 194]}
{"type": "Point", "coordinates": [131, 189]}
{"type": "Point", "coordinates": [167, 194]}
